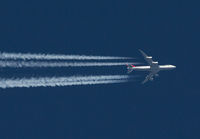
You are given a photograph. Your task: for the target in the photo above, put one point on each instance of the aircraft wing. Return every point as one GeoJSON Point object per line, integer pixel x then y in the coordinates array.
{"type": "Point", "coordinates": [147, 58]}
{"type": "Point", "coordinates": [146, 80]}
{"type": "Point", "coordinates": [148, 77]}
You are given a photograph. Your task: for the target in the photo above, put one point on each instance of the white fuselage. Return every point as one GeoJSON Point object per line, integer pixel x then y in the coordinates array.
{"type": "Point", "coordinates": [158, 68]}
{"type": "Point", "coordinates": [153, 68]}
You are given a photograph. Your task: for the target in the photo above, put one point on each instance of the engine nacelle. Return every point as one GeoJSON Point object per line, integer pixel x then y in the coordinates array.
{"type": "Point", "coordinates": [151, 79]}
{"type": "Point", "coordinates": [155, 62]}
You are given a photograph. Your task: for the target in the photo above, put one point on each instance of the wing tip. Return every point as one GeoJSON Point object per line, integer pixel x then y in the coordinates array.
{"type": "Point", "coordinates": [140, 50]}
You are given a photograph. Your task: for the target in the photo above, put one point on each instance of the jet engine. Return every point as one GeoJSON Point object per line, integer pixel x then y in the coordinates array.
{"type": "Point", "coordinates": [155, 62]}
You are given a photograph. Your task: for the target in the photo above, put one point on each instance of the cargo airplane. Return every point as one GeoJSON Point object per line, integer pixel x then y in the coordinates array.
{"type": "Point", "coordinates": [152, 67]}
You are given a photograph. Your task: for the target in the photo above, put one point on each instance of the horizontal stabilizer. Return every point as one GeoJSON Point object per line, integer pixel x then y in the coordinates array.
{"type": "Point", "coordinates": [130, 68]}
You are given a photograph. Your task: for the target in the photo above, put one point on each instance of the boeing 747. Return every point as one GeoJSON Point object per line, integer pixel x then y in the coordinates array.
{"type": "Point", "coordinates": [152, 67]}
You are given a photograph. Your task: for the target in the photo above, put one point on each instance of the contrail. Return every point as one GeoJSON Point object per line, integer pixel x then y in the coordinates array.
{"type": "Point", "coordinates": [29, 56]}
{"type": "Point", "coordinates": [21, 64]}
{"type": "Point", "coordinates": [63, 81]}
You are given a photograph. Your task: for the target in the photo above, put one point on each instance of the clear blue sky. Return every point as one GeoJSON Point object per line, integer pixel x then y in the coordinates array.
{"type": "Point", "coordinates": [167, 108]}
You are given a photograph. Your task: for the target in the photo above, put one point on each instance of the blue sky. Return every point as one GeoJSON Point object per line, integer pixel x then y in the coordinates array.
{"type": "Point", "coordinates": [165, 108]}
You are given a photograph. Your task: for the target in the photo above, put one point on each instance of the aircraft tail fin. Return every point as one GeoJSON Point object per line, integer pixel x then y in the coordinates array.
{"type": "Point", "coordinates": [130, 68]}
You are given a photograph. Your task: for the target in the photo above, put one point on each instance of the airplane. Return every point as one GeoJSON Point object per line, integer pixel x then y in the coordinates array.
{"type": "Point", "coordinates": [153, 67]}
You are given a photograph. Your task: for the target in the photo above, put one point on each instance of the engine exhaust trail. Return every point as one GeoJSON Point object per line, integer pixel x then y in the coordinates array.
{"type": "Point", "coordinates": [29, 56]}
{"type": "Point", "coordinates": [63, 81]}
{"type": "Point", "coordinates": [40, 64]}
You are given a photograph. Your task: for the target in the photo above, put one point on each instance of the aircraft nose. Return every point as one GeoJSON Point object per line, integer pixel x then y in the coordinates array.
{"type": "Point", "coordinates": [173, 66]}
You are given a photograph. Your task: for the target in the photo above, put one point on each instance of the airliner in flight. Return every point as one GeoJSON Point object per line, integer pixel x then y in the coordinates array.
{"type": "Point", "coordinates": [152, 67]}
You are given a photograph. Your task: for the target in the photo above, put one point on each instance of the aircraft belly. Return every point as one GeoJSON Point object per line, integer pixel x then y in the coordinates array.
{"type": "Point", "coordinates": [142, 68]}
{"type": "Point", "coordinates": [165, 67]}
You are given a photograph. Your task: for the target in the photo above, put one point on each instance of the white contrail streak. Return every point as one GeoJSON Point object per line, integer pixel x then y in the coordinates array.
{"type": "Point", "coordinates": [63, 81]}
{"type": "Point", "coordinates": [29, 56]}
{"type": "Point", "coordinates": [20, 64]}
